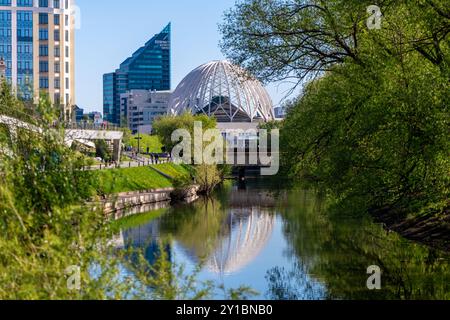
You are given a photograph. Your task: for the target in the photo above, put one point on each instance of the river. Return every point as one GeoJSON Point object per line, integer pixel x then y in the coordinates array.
{"type": "Point", "coordinates": [283, 243]}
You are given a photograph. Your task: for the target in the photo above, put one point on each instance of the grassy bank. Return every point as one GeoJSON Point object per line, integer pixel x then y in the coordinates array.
{"type": "Point", "coordinates": [137, 179]}
{"type": "Point", "coordinates": [152, 142]}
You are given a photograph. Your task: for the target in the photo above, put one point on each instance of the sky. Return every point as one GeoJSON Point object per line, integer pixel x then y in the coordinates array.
{"type": "Point", "coordinates": [110, 31]}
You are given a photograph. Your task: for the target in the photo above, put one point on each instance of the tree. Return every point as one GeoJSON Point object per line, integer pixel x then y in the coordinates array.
{"type": "Point", "coordinates": [300, 39]}
{"type": "Point", "coordinates": [102, 150]}
{"type": "Point", "coordinates": [372, 122]}
{"type": "Point", "coordinates": [165, 126]}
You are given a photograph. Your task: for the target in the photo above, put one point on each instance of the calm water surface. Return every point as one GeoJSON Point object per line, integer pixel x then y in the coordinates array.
{"type": "Point", "coordinates": [285, 245]}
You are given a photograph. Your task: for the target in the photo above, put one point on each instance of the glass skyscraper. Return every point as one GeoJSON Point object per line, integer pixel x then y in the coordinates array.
{"type": "Point", "coordinates": [37, 46]}
{"type": "Point", "coordinates": [148, 68]}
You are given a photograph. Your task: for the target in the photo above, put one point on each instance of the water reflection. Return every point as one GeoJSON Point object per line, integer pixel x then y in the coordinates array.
{"type": "Point", "coordinates": [226, 232]}
{"type": "Point", "coordinates": [242, 238]}
{"type": "Point", "coordinates": [286, 246]}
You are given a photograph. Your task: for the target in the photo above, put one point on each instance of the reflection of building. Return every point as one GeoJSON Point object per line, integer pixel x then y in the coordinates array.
{"type": "Point", "coordinates": [147, 69]}
{"type": "Point", "coordinates": [141, 107]}
{"type": "Point", "coordinates": [246, 234]}
{"type": "Point", "coordinates": [37, 44]}
{"type": "Point", "coordinates": [225, 91]}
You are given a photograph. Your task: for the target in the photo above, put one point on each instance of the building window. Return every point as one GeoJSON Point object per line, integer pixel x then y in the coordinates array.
{"type": "Point", "coordinates": [57, 67]}
{"type": "Point", "coordinates": [56, 4]}
{"type": "Point", "coordinates": [67, 67]}
{"type": "Point", "coordinates": [56, 19]}
{"type": "Point", "coordinates": [67, 83]}
{"type": "Point", "coordinates": [23, 3]}
{"type": "Point", "coordinates": [43, 82]}
{"type": "Point", "coordinates": [43, 51]}
{"type": "Point", "coordinates": [43, 66]}
{"type": "Point", "coordinates": [43, 3]}
{"type": "Point", "coordinates": [57, 51]}
{"type": "Point", "coordinates": [43, 34]}
{"type": "Point", "coordinates": [57, 35]}
{"type": "Point", "coordinates": [57, 83]}
{"type": "Point", "coordinates": [43, 18]}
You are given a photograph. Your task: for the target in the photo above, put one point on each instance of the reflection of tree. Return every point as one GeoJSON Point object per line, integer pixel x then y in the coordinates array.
{"type": "Point", "coordinates": [294, 284]}
{"type": "Point", "coordinates": [196, 226]}
{"type": "Point", "coordinates": [338, 250]}
{"type": "Point", "coordinates": [224, 235]}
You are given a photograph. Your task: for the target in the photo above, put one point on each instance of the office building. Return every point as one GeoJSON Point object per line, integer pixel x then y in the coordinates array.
{"type": "Point", "coordinates": [148, 68]}
{"type": "Point", "coordinates": [78, 114]}
{"type": "Point", "coordinates": [140, 108]}
{"type": "Point", "coordinates": [37, 46]}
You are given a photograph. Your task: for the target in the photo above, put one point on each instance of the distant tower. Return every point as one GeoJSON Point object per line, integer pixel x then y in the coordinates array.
{"type": "Point", "coordinates": [2, 68]}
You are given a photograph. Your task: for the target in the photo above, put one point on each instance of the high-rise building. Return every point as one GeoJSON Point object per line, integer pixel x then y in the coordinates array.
{"type": "Point", "coordinates": [142, 107]}
{"type": "Point", "coordinates": [37, 45]}
{"type": "Point", "coordinates": [147, 69]}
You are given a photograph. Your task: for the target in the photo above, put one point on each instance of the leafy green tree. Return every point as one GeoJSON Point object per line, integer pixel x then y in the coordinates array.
{"type": "Point", "coordinates": [165, 126]}
{"type": "Point", "coordinates": [49, 232]}
{"type": "Point", "coordinates": [102, 150]}
{"type": "Point", "coordinates": [371, 125]}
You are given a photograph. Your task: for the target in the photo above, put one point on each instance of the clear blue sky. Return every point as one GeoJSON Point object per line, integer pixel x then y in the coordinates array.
{"type": "Point", "coordinates": [112, 30]}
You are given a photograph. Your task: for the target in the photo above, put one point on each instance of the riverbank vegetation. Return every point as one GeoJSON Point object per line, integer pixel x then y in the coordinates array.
{"type": "Point", "coordinates": [372, 121]}
{"type": "Point", "coordinates": [206, 176]}
{"type": "Point", "coordinates": [52, 244]}
{"type": "Point", "coordinates": [138, 179]}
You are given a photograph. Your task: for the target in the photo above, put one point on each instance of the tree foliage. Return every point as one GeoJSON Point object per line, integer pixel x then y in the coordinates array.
{"type": "Point", "coordinates": [372, 122]}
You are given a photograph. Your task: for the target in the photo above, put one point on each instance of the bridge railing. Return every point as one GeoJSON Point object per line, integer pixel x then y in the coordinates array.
{"type": "Point", "coordinates": [90, 126]}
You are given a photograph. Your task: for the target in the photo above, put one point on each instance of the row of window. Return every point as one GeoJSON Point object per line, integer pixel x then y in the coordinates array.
{"type": "Point", "coordinates": [44, 83]}
{"type": "Point", "coordinates": [43, 67]}
{"type": "Point", "coordinates": [42, 3]}
{"type": "Point", "coordinates": [27, 16]}
{"type": "Point", "coordinates": [43, 51]}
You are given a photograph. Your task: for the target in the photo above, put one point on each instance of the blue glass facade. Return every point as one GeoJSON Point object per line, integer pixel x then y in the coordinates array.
{"type": "Point", "coordinates": [149, 68]}
{"type": "Point", "coordinates": [25, 54]}
{"type": "Point", "coordinates": [109, 96]}
{"type": "Point", "coordinates": [6, 40]}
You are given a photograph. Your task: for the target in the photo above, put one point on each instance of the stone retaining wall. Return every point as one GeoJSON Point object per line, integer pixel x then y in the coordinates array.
{"type": "Point", "coordinates": [127, 200]}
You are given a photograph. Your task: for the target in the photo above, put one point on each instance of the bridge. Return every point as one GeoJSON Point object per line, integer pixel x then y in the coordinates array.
{"type": "Point", "coordinates": [70, 135]}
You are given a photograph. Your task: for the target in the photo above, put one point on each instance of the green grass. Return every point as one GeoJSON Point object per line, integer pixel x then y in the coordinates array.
{"type": "Point", "coordinates": [138, 179]}
{"type": "Point", "coordinates": [131, 179]}
{"type": "Point", "coordinates": [153, 142]}
{"type": "Point", "coordinates": [173, 170]}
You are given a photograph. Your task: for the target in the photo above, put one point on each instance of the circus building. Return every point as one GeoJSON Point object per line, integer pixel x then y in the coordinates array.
{"type": "Point", "coordinates": [224, 91]}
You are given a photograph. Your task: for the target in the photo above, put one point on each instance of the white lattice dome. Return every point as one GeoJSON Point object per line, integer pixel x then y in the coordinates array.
{"type": "Point", "coordinates": [222, 90]}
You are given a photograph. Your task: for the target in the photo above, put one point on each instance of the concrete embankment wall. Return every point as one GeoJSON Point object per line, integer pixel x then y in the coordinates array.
{"type": "Point", "coordinates": [127, 200]}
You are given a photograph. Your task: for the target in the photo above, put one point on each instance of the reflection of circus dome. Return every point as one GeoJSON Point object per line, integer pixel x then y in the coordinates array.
{"type": "Point", "coordinates": [224, 91]}
{"type": "Point", "coordinates": [248, 234]}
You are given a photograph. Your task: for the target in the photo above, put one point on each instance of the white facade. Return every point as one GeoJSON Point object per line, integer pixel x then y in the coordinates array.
{"type": "Point", "coordinates": [38, 43]}
{"type": "Point", "coordinates": [140, 108]}
{"type": "Point", "coordinates": [225, 91]}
